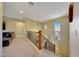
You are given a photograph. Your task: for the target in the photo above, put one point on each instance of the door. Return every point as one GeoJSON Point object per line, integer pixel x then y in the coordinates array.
{"type": "Point", "coordinates": [20, 29]}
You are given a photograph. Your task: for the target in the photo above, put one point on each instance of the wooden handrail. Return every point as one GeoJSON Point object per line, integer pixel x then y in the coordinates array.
{"type": "Point", "coordinates": [46, 38]}
{"type": "Point", "coordinates": [52, 48]}
{"type": "Point", "coordinates": [42, 39]}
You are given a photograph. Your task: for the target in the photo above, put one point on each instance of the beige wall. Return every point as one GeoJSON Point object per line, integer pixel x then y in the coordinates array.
{"type": "Point", "coordinates": [1, 10]}
{"type": "Point", "coordinates": [21, 27]}
{"type": "Point", "coordinates": [62, 44]}
{"type": "Point", "coordinates": [33, 25]}
{"type": "Point", "coordinates": [15, 25]}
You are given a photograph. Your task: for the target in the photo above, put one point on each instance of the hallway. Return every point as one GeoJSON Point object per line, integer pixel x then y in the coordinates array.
{"type": "Point", "coordinates": [53, 27]}
{"type": "Point", "coordinates": [22, 47]}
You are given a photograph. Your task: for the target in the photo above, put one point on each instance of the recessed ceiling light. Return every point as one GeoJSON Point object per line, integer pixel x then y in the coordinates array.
{"type": "Point", "coordinates": [21, 11]}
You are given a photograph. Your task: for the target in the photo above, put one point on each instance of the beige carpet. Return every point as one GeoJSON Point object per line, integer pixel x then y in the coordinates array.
{"type": "Point", "coordinates": [22, 47]}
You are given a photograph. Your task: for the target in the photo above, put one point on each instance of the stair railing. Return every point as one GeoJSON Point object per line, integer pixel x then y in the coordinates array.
{"type": "Point", "coordinates": [40, 41]}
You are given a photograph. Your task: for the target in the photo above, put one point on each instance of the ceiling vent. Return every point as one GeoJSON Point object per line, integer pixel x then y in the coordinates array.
{"type": "Point", "coordinates": [31, 3]}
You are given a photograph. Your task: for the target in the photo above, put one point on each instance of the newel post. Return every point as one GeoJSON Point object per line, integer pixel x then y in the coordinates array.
{"type": "Point", "coordinates": [40, 40]}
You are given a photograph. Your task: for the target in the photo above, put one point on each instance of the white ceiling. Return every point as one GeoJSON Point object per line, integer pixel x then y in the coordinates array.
{"type": "Point", "coordinates": [40, 11]}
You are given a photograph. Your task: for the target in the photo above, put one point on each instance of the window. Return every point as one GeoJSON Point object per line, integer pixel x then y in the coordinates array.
{"type": "Point", "coordinates": [57, 26]}
{"type": "Point", "coordinates": [57, 30]}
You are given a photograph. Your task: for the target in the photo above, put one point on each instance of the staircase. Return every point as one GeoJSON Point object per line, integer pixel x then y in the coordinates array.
{"type": "Point", "coordinates": [46, 53]}
{"type": "Point", "coordinates": [42, 43]}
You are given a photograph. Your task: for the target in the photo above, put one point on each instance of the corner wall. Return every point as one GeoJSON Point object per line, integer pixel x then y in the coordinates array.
{"type": "Point", "coordinates": [62, 45]}
{"type": "Point", "coordinates": [33, 25]}
{"type": "Point", "coordinates": [15, 25]}
{"type": "Point", "coordinates": [20, 27]}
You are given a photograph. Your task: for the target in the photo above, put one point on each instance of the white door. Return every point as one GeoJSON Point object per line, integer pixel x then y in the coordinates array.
{"type": "Point", "coordinates": [20, 29]}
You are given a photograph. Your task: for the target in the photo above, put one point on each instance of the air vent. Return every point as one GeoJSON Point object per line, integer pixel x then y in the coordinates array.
{"type": "Point", "coordinates": [31, 3]}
